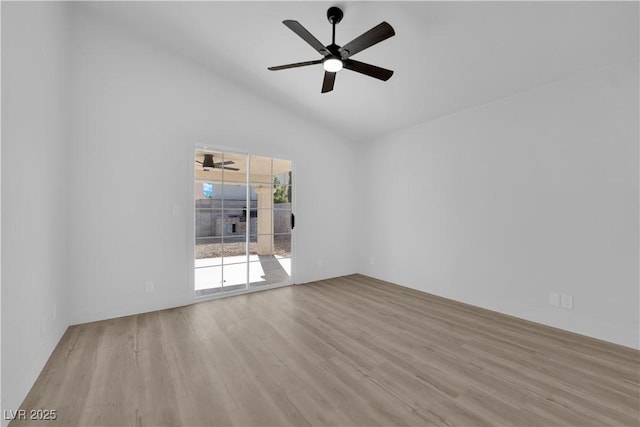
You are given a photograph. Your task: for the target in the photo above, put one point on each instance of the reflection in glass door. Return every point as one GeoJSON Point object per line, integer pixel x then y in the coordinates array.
{"type": "Point", "coordinates": [243, 222]}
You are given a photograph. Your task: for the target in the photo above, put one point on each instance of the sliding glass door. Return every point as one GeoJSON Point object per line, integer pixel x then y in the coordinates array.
{"type": "Point", "coordinates": [243, 222]}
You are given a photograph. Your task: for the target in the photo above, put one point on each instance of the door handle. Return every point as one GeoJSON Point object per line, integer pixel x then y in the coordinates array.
{"type": "Point", "coordinates": [293, 220]}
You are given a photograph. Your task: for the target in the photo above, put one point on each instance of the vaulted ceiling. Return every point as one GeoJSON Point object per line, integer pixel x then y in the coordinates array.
{"type": "Point", "coordinates": [447, 56]}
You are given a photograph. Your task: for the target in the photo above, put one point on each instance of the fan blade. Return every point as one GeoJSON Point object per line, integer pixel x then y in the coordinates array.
{"type": "Point", "coordinates": [368, 69]}
{"type": "Point", "coordinates": [327, 83]}
{"type": "Point", "coordinates": [297, 28]}
{"type": "Point", "coordinates": [218, 164]}
{"type": "Point", "coordinates": [375, 35]}
{"type": "Point", "coordinates": [198, 161]}
{"type": "Point", "coordinates": [230, 169]}
{"type": "Point", "coordinates": [297, 64]}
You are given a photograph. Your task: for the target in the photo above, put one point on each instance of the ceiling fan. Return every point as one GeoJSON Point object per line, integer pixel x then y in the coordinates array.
{"type": "Point", "coordinates": [337, 57]}
{"type": "Point", "coordinates": [209, 165]}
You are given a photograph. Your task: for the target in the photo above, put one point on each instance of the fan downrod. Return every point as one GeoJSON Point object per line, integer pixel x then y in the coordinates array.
{"type": "Point", "coordinates": [334, 15]}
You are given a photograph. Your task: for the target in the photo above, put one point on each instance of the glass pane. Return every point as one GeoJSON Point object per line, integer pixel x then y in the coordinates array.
{"type": "Point", "coordinates": [281, 196]}
{"type": "Point", "coordinates": [260, 245]}
{"type": "Point", "coordinates": [261, 196]}
{"type": "Point", "coordinates": [234, 251]}
{"type": "Point", "coordinates": [208, 262]}
{"type": "Point", "coordinates": [269, 270]}
{"type": "Point", "coordinates": [250, 217]}
{"type": "Point", "coordinates": [208, 252]}
{"type": "Point", "coordinates": [233, 225]}
{"type": "Point", "coordinates": [234, 167]}
{"type": "Point", "coordinates": [235, 208]}
{"type": "Point", "coordinates": [282, 171]}
{"type": "Point", "coordinates": [208, 277]}
{"type": "Point", "coordinates": [281, 221]}
{"type": "Point", "coordinates": [285, 264]}
{"type": "Point", "coordinates": [234, 194]}
{"type": "Point", "coordinates": [260, 170]}
{"type": "Point", "coordinates": [264, 221]}
{"type": "Point", "coordinates": [208, 195]}
{"type": "Point", "coordinates": [205, 170]}
{"type": "Point", "coordinates": [235, 274]}
{"type": "Point", "coordinates": [208, 239]}
{"type": "Point", "coordinates": [205, 192]}
{"type": "Point", "coordinates": [256, 274]}
{"type": "Point", "coordinates": [282, 245]}
{"type": "Point", "coordinates": [253, 247]}
{"type": "Point", "coordinates": [205, 221]}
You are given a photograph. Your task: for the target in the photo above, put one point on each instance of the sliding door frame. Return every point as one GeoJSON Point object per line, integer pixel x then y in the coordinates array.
{"type": "Point", "coordinates": [191, 220]}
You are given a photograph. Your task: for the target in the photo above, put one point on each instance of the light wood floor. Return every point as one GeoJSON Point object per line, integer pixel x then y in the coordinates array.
{"type": "Point", "coordinates": [351, 351]}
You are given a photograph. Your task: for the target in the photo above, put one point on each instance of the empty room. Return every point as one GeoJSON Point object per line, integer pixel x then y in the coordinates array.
{"type": "Point", "coordinates": [309, 213]}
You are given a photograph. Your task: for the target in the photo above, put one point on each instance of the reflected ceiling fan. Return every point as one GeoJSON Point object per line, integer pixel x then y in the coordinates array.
{"type": "Point", "coordinates": [209, 165]}
{"type": "Point", "coordinates": [337, 57]}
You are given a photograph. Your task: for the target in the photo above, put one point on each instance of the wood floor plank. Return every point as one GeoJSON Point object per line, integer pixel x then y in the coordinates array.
{"type": "Point", "coordinates": [349, 351]}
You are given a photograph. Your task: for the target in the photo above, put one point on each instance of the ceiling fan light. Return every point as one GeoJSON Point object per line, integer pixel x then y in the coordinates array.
{"type": "Point", "coordinates": [332, 65]}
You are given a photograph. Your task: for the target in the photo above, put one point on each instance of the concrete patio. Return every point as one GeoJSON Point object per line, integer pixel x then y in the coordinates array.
{"type": "Point", "coordinates": [263, 270]}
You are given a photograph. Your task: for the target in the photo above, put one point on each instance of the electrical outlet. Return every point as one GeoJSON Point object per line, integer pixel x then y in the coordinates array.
{"type": "Point", "coordinates": [554, 299]}
{"type": "Point", "coordinates": [566, 301]}
{"type": "Point", "coordinates": [149, 287]}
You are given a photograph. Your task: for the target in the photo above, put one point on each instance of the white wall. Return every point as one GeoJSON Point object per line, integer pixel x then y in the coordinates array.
{"type": "Point", "coordinates": [498, 205]}
{"type": "Point", "coordinates": [137, 109]}
{"type": "Point", "coordinates": [35, 128]}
